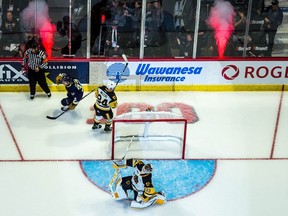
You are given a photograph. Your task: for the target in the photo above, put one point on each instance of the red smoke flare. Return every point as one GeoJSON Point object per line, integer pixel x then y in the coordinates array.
{"type": "Point", "coordinates": [36, 16]}
{"type": "Point", "coordinates": [47, 36]}
{"type": "Point", "coordinates": [221, 19]}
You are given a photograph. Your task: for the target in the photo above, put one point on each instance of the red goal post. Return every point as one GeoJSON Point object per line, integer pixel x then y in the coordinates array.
{"type": "Point", "coordinates": [153, 135]}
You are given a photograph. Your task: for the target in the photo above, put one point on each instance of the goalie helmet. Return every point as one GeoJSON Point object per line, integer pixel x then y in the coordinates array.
{"type": "Point", "coordinates": [110, 85]}
{"type": "Point", "coordinates": [147, 168]}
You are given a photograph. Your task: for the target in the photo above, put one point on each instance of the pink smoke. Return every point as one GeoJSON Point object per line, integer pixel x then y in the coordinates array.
{"type": "Point", "coordinates": [221, 19]}
{"type": "Point", "coordinates": [36, 16]}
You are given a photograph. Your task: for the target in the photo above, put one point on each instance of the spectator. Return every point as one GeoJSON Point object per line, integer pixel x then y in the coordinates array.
{"type": "Point", "coordinates": [273, 17]}
{"type": "Point", "coordinates": [137, 14]}
{"type": "Point", "coordinates": [118, 37]}
{"type": "Point", "coordinates": [29, 40]}
{"type": "Point", "coordinates": [12, 6]}
{"type": "Point", "coordinates": [80, 7]}
{"type": "Point", "coordinates": [31, 37]}
{"type": "Point", "coordinates": [63, 28]}
{"type": "Point", "coordinates": [156, 23]}
{"type": "Point", "coordinates": [202, 33]}
{"type": "Point", "coordinates": [113, 42]}
{"type": "Point", "coordinates": [119, 14]}
{"type": "Point", "coordinates": [240, 22]}
{"type": "Point", "coordinates": [10, 36]}
{"type": "Point", "coordinates": [186, 45]}
{"type": "Point", "coordinates": [179, 15]}
{"type": "Point", "coordinates": [257, 7]}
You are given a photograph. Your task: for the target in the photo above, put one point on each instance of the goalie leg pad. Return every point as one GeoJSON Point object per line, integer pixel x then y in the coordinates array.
{"type": "Point", "coordinates": [161, 199]}
{"type": "Point", "coordinates": [120, 193]}
{"type": "Point", "coordinates": [135, 204]}
{"type": "Point", "coordinates": [158, 198]}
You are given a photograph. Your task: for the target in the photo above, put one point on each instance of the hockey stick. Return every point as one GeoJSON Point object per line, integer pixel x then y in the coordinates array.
{"type": "Point", "coordinates": [126, 61]}
{"type": "Point", "coordinates": [56, 117]}
{"type": "Point", "coordinates": [126, 64]}
{"type": "Point", "coordinates": [115, 175]}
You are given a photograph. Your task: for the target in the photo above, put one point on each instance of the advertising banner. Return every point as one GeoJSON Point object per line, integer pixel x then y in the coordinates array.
{"type": "Point", "coordinates": [10, 72]}
{"type": "Point", "coordinates": [159, 73]}
{"type": "Point", "coordinates": [197, 72]}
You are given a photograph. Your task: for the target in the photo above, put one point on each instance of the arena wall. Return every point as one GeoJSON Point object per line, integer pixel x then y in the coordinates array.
{"type": "Point", "coordinates": [159, 75]}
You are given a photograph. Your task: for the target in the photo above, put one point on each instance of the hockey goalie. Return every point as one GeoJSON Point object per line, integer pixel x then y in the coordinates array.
{"type": "Point", "coordinates": [137, 187]}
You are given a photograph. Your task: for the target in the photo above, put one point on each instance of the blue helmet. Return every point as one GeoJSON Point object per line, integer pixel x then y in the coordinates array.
{"type": "Point", "coordinates": [66, 78]}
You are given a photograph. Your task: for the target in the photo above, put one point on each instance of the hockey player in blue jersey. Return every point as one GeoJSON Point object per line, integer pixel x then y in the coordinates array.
{"type": "Point", "coordinates": [74, 91]}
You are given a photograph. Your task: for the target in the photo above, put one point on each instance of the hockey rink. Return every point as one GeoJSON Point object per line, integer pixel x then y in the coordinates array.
{"type": "Point", "coordinates": [245, 133]}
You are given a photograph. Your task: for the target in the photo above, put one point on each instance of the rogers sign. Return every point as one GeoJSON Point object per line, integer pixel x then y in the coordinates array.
{"type": "Point", "coordinates": [231, 72]}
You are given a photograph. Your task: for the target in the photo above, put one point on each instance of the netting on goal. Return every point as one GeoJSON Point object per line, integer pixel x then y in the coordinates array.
{"type": "Point", "coordinates": [151, 134]}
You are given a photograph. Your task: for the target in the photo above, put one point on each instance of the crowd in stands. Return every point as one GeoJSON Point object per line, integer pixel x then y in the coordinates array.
{"type": "Point", "coordinates": [124, 19]}
{"type": "Point", "coordinates": [15, 39]}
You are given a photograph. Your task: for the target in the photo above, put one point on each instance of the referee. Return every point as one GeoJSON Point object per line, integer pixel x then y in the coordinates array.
{"type": "Point", "coordinates": [35, 60]}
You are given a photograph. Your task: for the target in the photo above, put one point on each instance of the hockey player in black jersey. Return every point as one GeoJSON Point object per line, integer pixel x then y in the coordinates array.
{"type": "Point", "coordinates": [144, 194]}
{"type": "Point", "coordinates": [74, 91]}
{"type": "Point", "coordinates": [106, 100]}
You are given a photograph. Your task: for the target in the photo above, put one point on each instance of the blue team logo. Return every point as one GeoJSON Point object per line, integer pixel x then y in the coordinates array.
{"type": "Point", "coordinates": [118, 72]}
{"type": "Point", "coordinates": [177, 178]}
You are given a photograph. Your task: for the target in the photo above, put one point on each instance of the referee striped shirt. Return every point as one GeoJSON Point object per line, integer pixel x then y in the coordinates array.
{"type": "Point", "coordinates": [34, 60]}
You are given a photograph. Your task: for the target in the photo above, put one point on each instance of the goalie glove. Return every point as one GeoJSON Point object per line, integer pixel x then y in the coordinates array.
{"type": "Point", "coordinates": [119, 164]}
{"type": "Point", "coordinates": [72, 106]}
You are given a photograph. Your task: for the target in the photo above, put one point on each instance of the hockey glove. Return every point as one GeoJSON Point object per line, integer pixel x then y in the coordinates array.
{"type": "Point", "coordinates": [59, 79]}
{"type": "Point", "coordinates": [113, 104]}
{"type": "Point", "coordinates": [72, 106]}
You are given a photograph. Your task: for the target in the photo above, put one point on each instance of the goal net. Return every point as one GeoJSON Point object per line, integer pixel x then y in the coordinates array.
{"type": "Point", "coordinates": [152, 135]}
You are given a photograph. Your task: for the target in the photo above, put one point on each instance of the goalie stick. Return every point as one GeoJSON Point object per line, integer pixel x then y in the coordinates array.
{"type": "Point", "coordinates": [128, 147]}
{"type": "Point", "coordinates": [56, 117]}
{"type": "Point", "coordinates": [115, 175]}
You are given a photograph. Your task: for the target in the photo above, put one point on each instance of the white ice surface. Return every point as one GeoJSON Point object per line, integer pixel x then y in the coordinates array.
{"type": "Point", "coordinates": [236, 128]}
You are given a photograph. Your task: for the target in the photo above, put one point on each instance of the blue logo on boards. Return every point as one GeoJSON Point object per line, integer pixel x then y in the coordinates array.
{"type": "Point", "coordinates": [116, 72]}
{"type": "Point", "coordinates": [177, 178]}
{"type": "Point", "coordinates": [166, 74]}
